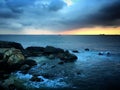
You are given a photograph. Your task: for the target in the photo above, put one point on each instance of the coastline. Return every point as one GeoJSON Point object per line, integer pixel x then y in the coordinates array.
{"type": "Point", "coordinates": [44, 70]}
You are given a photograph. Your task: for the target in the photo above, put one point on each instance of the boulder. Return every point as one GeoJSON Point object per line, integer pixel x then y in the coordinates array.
{"type": "Point", "coordinates": [34, 51]}
{"type": "Point", "coordinates": [67, 57]}
{"type": "Point", "coordinates": [6, 44]}
{"type": "Point", "coordinates": [52, 50]}
{"type": "Point", "coordinates": [61, 62]}
{"type": "Point", "coordinates": [36, 79]}
{"type": "Point", "coordinates": [100, 53]}
{"type": "Point", "coordinates": [25, 67]}
{"type": "Point", "coordinates": [87, 49]}
{"type": "Point", "coordinates": [29, 62]}
{"type": "Point", "coordinates": [75, 51]}
{"type": "Point", "coordinates": [13, 56]}
{"type": "Point", "coordinates": [1, 56]}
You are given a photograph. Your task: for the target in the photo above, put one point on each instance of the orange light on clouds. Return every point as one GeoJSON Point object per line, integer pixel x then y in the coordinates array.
{"type": "Point", "coordinates": [93, 31]}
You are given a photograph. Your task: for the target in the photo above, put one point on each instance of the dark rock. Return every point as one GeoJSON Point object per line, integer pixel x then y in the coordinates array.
{"type": "Point", "coordinates": [12, 87]}
{"type": "Point", "coordinates": [108, 53]}
{"type": "Point", "coordinates": [67, 57]}
{"type": "Point", "coordinates": [61, 63]}
{"type": "Point", "coordinates": [52, 50]}
{"type": "Point", "coordinates": [43, 64]}
{"type": "Point", "coordinates": [13, 56]}
{"type": "Point", "coordinates": [51, 56]}
{"type": "Point", "coordinates": [53, 66]}
{"type": "Point", "coordinates": [25, 67]}
{"type": "Point", "coordinates": [1, 87]}
{"type": "Point", "coordinates": [30, 62]}
{"type": "Point", "coordinates": [47, 75]}
{"type": "Point", "coordinates": [87, 49]}
{"type": "Point", "coordinates": [100, 53]}
{"type": "Point", "coordinates": [75, 51]}
{"type": "Point", "coordinates": [1, 56]}
{"type": "Point", "coordinates": [6, 44]}
{"type": "Point", "coordinates": [36, 79]}
{"type": "Point", "coordinates": [34, 51]}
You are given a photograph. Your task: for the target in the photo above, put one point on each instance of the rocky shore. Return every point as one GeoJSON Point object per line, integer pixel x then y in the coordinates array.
{"type": "Point", "coordinates": [14, 58]}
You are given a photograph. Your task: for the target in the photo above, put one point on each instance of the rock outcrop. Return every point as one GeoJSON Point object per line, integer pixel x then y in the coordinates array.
{"type": "Point", "coordinates": [51, 53]}
{"type": "Point", "coordinates": [13, 56]}
{"type": "Point", "coordinates": [6, 44]}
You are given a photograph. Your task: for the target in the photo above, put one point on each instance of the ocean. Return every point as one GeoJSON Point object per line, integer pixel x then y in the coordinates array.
{"type": "Point", "coordinates": [90, 71]}
{"type": "Point", "coordinates": [95, 42]}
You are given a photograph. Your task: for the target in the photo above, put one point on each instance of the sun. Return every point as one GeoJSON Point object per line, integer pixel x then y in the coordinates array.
{"type": "Point", "coordinates": [68, 2]}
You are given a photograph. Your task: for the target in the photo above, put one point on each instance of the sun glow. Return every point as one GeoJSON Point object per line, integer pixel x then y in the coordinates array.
{"type": "Point", "coordinates": [93, 31]}
{"type": "Point", "coordinates": [68, 2]}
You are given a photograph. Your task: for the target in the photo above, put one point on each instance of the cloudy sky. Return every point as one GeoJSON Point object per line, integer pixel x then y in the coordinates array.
{"type": "Point", "coordinates": [59, 16]}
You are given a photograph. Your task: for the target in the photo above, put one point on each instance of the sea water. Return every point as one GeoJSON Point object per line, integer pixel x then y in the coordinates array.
{"type": "Point", "coordinates": [97, 72]}
{"type": "Point", "coordinates": [99, 42]}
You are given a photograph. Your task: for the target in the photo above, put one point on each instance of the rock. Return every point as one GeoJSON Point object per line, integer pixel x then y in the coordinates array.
{"type": "Point", "coordinates": [87, 49]}
{"type": "Point", "coordinates": [52, 50]}
{"type": "Point", "coordinates": [1, 87]}
{"type": "Point", "coordinates": [25, 67]}
{"type": "Point", "coordinates": [29, 62]}
{"type": "Point", "coordinates": [67, 57]}
{"type": "Point", "coordinates": [100, 53]}
{"type": "Point", "coordinates": [61, 63]}
{"type": "Point", "coordinates": [6, 44]}
{"type": "Point", "coordinates": [108, 53]}
{"type": "Point", "coordinates": [12, 87]}
{"type": "Point", "coordinates": [51, 56]}
{"type": "Point", "coordinates": [75, 51]}
{"type": "Point", "coordinates": [34, 51]}
{"type": "Point", "coordinates": [53, 66]}
{"type": "Point", "coordinates": [3, 75]}
{"type": "Point", "coordinates": [1, 56]}
{"type": "Point", "coordinates": [13, 56]}
{"type": "Point", "coordinates": [36, 79]}
{"type": "Point", "coordinates": [47, 75]}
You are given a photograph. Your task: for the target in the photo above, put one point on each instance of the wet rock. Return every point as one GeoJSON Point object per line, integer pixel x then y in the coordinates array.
{"type": "Point", "coordinates": [1, 56]}
{"type": "Point", "coordinates": [53, 66]}
{"type": "Point", "coordinates": [29, 62]}
{"type": "Point", "coordinates": [100, 53]}
{"type": "Point", "coordinates": [51, 56]}
{"type": "Point", "coordinates": [13, 56]}
{"type": "Point", "coordinates": [75, 51]}
{"type": "Point", "coordinates": [47, 75]}
{"type": "Point", "coordinates": [6, 44]}
{"type": "Point", "coordinates": [108, 53]}
{"type": "Point", "coordinates": [61, 63]}
{"type": "Point", "coordinates": [12, 87]}
{"type": "Point", "coordinates": [43, 64]}
{"type": "Point", "coordinates": [87, 49]}
{"type": "Point", "coordinates": [1, 87]}
{"type": "Point", "coordinates": [34, 51]}
{"type": "Point", "coordinates": [36, 79]}
{"type": "Point", "coordinates": [67, 57]}
{"type": "Point", "coordinates": [25, 67]}
{"type": "Point", "coordinates": [52, 50]}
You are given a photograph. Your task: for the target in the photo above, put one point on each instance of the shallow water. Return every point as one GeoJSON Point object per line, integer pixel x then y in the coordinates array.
{"type": "Point", "coordinates": [90, 72]}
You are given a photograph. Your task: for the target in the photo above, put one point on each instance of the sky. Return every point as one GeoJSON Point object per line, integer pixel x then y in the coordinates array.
{"type": "Point", "coordinates": [60, 17]}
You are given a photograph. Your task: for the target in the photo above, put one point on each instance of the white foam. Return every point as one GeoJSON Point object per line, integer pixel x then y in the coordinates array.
{"type": "Point", "coordinates": [56, 83]}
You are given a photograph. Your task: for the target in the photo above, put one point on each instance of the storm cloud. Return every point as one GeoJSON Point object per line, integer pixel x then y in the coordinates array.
{"type": "Point", "coordinates": [56, 15]}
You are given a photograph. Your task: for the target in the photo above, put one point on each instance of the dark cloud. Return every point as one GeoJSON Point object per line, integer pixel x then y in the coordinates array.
{"type": "Point", "coordinates": [108, 15]}
{"type": "Point", "coordinates": [56, 5]}
{"type": "Point", "coordinates": [57, 16]}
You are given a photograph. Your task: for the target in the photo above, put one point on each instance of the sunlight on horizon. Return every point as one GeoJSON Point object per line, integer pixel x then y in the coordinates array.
{"type": "Point", "coordinates": [93, 31]}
